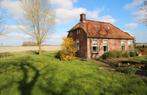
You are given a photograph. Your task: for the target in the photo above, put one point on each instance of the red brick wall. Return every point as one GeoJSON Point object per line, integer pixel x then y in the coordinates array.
{"type": "Point", "coordinates": [82, 42]}
{"type": "Point", "coordinates": [113, 44]}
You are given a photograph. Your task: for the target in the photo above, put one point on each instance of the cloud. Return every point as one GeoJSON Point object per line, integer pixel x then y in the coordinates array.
{"type": "Point", "coordinates": [139, 10]}
{"type": "Point", "coordinates": [13, 7]}
{"type": "Point", "coordinates": [133, 4]}
{"type": "Point", "coordinates": [67, 4]}
{"type": "Point", "coordinates": [141, 15]}
{"type": "Point", "coordinates": [65, 11]}
{"type": "Point", "coordinates": [108, 18]}
{"type": "Point", "coordinates": [131, 26]}
{"type": "Point", "coordinates": [69, 14]}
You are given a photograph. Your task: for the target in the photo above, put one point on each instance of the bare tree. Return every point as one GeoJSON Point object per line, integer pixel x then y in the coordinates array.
{"type": "Point", "coordinates": [38, 20]}
{"type": "Point", "coordinates": [143, 13]}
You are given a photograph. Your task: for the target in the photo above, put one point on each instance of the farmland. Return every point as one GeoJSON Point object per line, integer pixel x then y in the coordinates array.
{"type": "Point", "coordinates": [27, 48]}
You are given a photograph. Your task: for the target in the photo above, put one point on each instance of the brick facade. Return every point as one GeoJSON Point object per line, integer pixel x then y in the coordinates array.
{"type": "Point", "coordinates": [113, 44]}
{"type": "Point", "coordinates": [82, 37]}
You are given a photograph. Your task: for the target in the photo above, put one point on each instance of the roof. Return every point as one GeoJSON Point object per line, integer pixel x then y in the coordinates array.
{"type": "Point", "coordinates": [101, 30]}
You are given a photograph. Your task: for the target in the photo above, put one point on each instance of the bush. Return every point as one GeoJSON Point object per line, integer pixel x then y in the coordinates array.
{"type": "Point", "coordinates": [125, 54]}
{"type": "Point", "coordinates": [133, 54]}
{"type": "Point", "coordinates": [115, 54]}
{"type": "Point", "coordinates": [68, 49]}
{"type": "Point", "coordinates": [58, 55]}
{"type": "Point", "coordinates": [127, 70]}
{"type": "Point", "coordinates": [119, 54]}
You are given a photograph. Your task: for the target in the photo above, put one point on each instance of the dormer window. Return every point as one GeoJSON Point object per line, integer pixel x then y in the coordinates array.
{"type": "Point", "coordinates": [107, 28]}
{"type": "Point", "coordinates": [97, 27]}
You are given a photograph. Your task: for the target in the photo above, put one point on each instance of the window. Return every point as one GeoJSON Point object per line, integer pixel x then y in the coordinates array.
{"type": "Point", "coordinates": [70, 34]}
{"type": "Point", "coordinates": [130, 44]}
{"type": "Point", "coordinates": [94, 46]}
{"type": "Point", "coordinates": [78, 44]}
{"type": "Point", "coordinates": [107, 28]}
{"type": "Point", "coordinates": [97, 27]}
{"type": "Point", "coordinates": [78, 31]}
{"type": "Point", "coordinates": [123, 45]}
{"type": "Point", "coordinates": [105, 45]}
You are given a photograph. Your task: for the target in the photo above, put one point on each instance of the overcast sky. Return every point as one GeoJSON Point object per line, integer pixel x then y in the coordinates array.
{"type": "Point", "coordinates": [122, 13]}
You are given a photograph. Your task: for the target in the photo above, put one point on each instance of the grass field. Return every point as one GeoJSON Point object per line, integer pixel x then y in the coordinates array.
{"type": "Point", "coordinates": [30, 74]}
{"type": "Point", "coordinates": [27, 48]}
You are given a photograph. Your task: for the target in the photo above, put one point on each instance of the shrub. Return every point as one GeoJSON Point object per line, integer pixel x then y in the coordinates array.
{"type": "Point", "coordinates": [68, 49]}
{"type": "Point", "coordinates": [133, 54]}
{"type": "Point", "coordinates": [58, 54]}
{"type": "Point", "coordinates": [115, 54]}
{"type": "Point", "coordinates": [119, 54]}
{"type": "Point", "coordinates": [105, 55]}
{"type": "Point", "coordinates": [127, 70]}
{"type": "Point", "coordinates": [125, 54]}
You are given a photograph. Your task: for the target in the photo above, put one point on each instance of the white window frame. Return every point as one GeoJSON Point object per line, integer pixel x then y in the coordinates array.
{"type": "Point", "coordinates": [123, 45]}
{"type": "Point", "coordinates": [130, 44]}
{"type": "Point", "coordinates": [71, 33]}
{"type": "Point", "coordinates": [78, 31]}
{"type": "Point", "coordinates": [77, 44]}
{"type": "Point", "coordinates": [106, 43]}
{"type": "Point", "coordinates": [95, 43]}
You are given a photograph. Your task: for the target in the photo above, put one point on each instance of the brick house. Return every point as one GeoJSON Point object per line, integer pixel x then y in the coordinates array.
{"type": "Point", "coordinates": [94, 38]}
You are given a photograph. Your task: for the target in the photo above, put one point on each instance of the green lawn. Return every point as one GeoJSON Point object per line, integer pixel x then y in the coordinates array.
{"type": "Point", "coordinates": [30, 74]}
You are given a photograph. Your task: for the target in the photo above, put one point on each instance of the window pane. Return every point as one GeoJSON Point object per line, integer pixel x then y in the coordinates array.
{"type": "Point", "coordinates": [95, 49]}
{"type": "Point", "coordinates": [123, 48]}
{"type": "Point", "coordinates": [105, 48]}
{"type": "Point", "coordinates": [77, 44]}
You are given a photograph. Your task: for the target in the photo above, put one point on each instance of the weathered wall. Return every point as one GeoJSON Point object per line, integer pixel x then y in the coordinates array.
{"type": "Point", "coordinates": [82, 42]}
{"type": "Point", "coordinates": [113, 44]}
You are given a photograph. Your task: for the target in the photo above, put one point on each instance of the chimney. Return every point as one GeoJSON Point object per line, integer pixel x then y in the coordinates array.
{"type": "Point", "coordinates": [82, 17]}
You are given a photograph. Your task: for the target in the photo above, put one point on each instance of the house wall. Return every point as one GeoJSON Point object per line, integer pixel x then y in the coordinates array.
{"type": "Point", "coordinates": [82, 52]}
{"type": "Point", "coordinates": [113, 44]}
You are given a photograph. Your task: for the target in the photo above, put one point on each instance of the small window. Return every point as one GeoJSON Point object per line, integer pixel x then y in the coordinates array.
{"type": "Point", "coordinates": [107, 28]}
{"type": "Point", "coordinates": [78, 31]}
{"type": "Point", "coordinates": [70, 34]}
{"type": "Point", "coordinates": [123, 45]}
{"type": "Point", "coordinates": [78, 44]}
{"type": "Point", "coordinates": [105, 49]}
{"type": "Point", "coordinates": [95, 49]}
{"type": "Point", "coordinates": [97, 27]}
{"type": "Point", "coordinates": [95, 46]}
{"type": "Point", "coordinates": [130, 44]}
{"type": "Point", "coordinates": [123, 48]}
{"type": "Point", "coordinates": [105, 45]}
